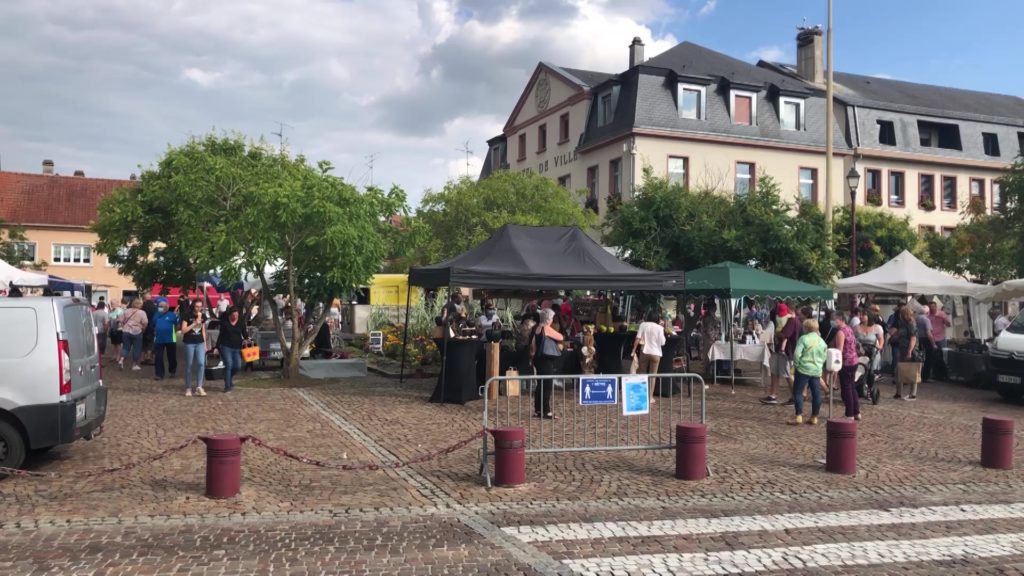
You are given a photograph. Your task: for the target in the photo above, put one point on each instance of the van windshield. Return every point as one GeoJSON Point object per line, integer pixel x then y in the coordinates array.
{"type": "Point", "coordinates": [1017, 326]}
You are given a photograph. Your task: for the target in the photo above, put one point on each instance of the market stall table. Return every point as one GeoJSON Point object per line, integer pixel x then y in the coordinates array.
{"type": "Point", "coordinates": [612, 348]}
{"type": "Point", "coordinates": [457, 383]}
{"type": "Point", "coordinates": [968, 367]}
{"type": "Point", "coordinates": [757, 353]}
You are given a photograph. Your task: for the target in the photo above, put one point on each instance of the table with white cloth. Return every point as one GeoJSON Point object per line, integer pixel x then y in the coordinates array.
{"type": "Point", "coordinates": [756, 353]}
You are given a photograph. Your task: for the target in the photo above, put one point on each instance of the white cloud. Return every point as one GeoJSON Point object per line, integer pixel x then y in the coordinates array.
{"type": "Point", "coordinates": [770, 54]}
{"type": "Point", "coordinates": [408, 82]}
{"type": "Point", "coordinates": [707, 8]}
{"type": "Point", "coordinates": [201, 77]}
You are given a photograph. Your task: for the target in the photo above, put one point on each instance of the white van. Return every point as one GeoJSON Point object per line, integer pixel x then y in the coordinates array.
{"type": "Point", "coordinates": [51, 385]}
{"type": "Point", "coordinates": [1006, 356]}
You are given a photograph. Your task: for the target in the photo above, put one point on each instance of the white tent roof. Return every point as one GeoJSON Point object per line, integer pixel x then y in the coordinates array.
{"type": "Point", "coordinates": [1009, 290]}
{"type": "Point", "coordinates": [10, 275]}
{"type": "Point", "coordinates": [905, 274]}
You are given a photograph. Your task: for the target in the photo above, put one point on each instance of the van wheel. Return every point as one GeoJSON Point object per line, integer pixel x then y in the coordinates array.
{"type": "Point", "coordinates": [12, 446]}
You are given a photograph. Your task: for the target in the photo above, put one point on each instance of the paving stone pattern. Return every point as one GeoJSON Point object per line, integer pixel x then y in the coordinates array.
{"type": "Point", "coordinates": [919, 504]}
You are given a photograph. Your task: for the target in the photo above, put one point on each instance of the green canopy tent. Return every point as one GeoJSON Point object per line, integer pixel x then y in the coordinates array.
{"type": "Point", "coordinates": [731, 280]}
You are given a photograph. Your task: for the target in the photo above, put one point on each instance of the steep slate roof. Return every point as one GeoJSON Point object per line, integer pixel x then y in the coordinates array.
{"type": "Point", "coordinates": [50, 200]}
{"type": "Point", "coordinates": [646, 100]}
{"type": "Point", "coordinates": [691, 59]}
{"type": "Point", "coordinates": [587, 78]}
{"type": "Point", "coordinates": [872, 92]}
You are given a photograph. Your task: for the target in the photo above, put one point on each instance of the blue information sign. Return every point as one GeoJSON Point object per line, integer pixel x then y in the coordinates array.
{"type": "Point", "coordinates": [598, 390]}
{"type": "Point", "coordinates": [635, 399]}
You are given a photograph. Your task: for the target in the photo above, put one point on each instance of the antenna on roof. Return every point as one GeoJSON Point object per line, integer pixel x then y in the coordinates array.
{"type": "Point", "coordinates": [369, 164]}
{"type": "Point", "coordinates": [280, 132]}
{"type": "Point", "coordinates": [465, 148]}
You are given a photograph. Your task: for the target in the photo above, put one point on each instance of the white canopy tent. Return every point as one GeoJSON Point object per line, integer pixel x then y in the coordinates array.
{"type": "Point", "coordinates": [1009, 290]}
{"type": "Point", "coordinates": [905, 274]}
{"type": "Point", "coordinates": [9, 275]}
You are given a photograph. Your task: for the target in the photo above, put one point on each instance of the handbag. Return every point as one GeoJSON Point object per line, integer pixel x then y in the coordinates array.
{"type": "Point", "coordinates": [634, 366]}
{"type": "Point", "coordinates": [550, 348]}
{"type": "Point", "coordinates": [250, 352]}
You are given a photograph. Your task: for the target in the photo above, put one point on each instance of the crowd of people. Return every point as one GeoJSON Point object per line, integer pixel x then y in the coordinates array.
{"type": "Point", "coordinates": [799, 341]}
{"type": "Point", "coordinates": [146, 330]}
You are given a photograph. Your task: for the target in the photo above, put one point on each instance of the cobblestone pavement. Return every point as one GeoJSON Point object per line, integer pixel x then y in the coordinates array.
{"type": "Point", "coordinates": [919, 504]}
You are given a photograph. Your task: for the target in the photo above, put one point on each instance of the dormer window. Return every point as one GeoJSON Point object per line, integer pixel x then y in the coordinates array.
{"type": "Point", "coordinates": [692, 100]}
{"type": "Point", "coordinates": [743, 106]}
{"type": "Point", "coordinates": [606, 104]}
{"type": "Point", "coordinates": [791, 113]}
{"type": "Point", "coordinates": [939, 135]}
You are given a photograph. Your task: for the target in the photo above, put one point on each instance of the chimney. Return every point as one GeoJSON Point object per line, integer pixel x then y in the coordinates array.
{"type": "Point", "coordinates": [808, 54]}
{"type": "Point", "coordinates": [636, 52]}
{"type": "Point", "coordinates": [48, 167]}
{"type": "Point", "coordinates": [132, 177]}
{"type": "Point", "coordinates": [80, 173]}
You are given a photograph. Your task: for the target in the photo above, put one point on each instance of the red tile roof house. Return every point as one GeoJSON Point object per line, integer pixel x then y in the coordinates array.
{"type": "Point", "coordinates": [56, 212]}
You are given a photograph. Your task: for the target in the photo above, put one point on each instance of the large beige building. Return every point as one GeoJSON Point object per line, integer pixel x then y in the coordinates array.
{"type": "Point", "coordinates": [56, 212]}
{"type": "Point", "coordinates": [708, 120]}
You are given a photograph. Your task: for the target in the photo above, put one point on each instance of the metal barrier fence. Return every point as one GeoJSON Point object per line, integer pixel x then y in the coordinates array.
{"type": "Point", "coordinates": [583, 428]}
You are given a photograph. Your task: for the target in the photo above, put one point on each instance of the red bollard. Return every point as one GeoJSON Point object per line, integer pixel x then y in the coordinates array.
{"type": "Point", "coordinates": [841, 447]}
{"type": "Point", "coordinates": [691, 451]}
{"type": "Point", "coordinates": [997, 442]}
{"type": "Point", "coordinates": [509, 456]}
{"type": "Point", "coordinates": [223, 465]}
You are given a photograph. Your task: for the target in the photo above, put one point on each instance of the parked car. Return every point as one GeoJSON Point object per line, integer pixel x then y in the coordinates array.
{"type": "Point", "coordinates": [1006, 357]}
{"type": "Point", "coordinates": [52, 388]}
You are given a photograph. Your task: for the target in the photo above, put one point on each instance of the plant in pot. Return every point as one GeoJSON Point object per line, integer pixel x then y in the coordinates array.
{"type": "Point", "coordinates": [874, 198]}
{"type": "Point", "coordinates": [928, 204]}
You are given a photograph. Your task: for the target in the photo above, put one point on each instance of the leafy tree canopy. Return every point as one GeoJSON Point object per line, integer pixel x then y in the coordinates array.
{"type": "Point", "coordinates": [11, 238]}
{"type": "Point", "coordinates": [223, 203]}
{"type": "Point", "coordinates": [466, 212]}
{"type": "Point", "coordinates": [668, 227]}
{"type": "Point", "coordinates": [881, 236]}
{"type": "Point", "coordinates": [988, 247]}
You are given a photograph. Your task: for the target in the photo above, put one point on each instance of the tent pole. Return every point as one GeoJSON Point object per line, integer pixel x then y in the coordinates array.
{"type": "Point", "coordinates": [732, 347]}
{"type": "Point", "coordinates": [405, 339]}
{"type": "Point", "coordinates": [444, 355]}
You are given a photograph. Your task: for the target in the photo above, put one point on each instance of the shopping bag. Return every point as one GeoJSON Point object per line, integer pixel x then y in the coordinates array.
{"type": "Point", "coordinates": [908, 373]}
{"type": "Point", "coordinates": [250, 353]}
{"type": "Point", "coordinates": [510, 387]}
{"type": "Point", "coordinates": [634, 365]}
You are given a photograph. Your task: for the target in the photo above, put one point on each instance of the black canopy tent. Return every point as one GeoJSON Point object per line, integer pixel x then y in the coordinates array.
{"type": "Point", "coordinates": [537, 258]}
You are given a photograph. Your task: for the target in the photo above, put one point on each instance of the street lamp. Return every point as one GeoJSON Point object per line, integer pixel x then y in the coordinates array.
{"type": "Point", "coordinates": [852, 181]}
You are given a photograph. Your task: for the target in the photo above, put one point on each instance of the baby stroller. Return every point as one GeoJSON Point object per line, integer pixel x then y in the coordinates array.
{"type": "Point", "coordinates": [866, 378]}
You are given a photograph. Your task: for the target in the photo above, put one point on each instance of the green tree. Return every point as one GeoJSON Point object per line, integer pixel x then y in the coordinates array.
{"type": "Point", "coordinates": [987, 247]}
{"type": "Point", "coordinates": [668, 227]}
{"type": "Point", "coordinates": [11, 238]}
{"type": "Point", "coordinates": [466, 212]}
{"type": "Point", "coordinates": [222, 203]}
{"type": "Point", "coordinates": [881, 236]}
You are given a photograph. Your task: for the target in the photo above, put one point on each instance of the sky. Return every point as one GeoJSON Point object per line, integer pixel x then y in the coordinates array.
{"type": "Point", "coordinates": [105, 86]}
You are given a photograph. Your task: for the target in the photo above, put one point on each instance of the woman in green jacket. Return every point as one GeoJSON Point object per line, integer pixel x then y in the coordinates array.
{"type": "Point", "coordinates": [809, 360]}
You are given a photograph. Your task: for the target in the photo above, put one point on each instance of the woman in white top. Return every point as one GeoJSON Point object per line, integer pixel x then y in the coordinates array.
{"type": "Point", "coordinates": [650, 335]}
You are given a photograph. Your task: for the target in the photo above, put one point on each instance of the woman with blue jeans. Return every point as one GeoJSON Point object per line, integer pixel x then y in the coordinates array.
{"type": "Point", "coordinates": [809, 360]}
{"type": "Point", "coordinates": [133, 325]}
{"type": "Point", "coordinates": [229, 342]}
{"type": "Point", "coordinates": [193, 330]}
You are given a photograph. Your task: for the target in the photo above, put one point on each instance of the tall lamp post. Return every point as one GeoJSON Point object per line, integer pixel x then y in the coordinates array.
{"type": "Point", "coordinates": [852, 181]}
